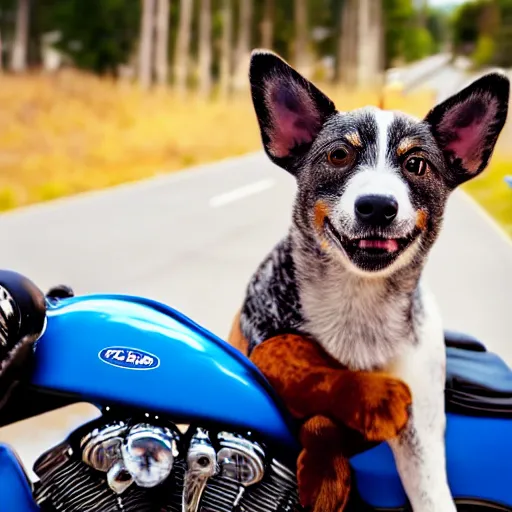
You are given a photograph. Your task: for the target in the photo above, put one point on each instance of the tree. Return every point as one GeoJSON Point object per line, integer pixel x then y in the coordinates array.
{"type": "Point", "coordinates": [483, 30]}
{"type": "Point", "coordinates": [19, 55]}
{"type": "Point", "coordinates": [267, 24]}
{"type": "Point", "coordinates": [147, 28]}
{"type": "Point", "coordinates": [423, 13]}
{"type": "Point", "coordinates": [438, 24]}
{"type": "Point", "coordinates": [1, 52]}
{"type": "Point", "coordinates": [379, 52]}
{"type": "Point", "coordinates": [182, 57]}
{"type": "Point", "coordinates": [347, 43]}
{"type": "Point", "coordinates": [205, 48]}
{"type": "Point", "coordinates": [397, 16]}
{"type": "Point", "coordinates": [225, 49]}
{"type": "Point", "coordinates": [369, 42]}
{"type": "Point", "coordinates": [162, 42]}
{"type": "Point", "coordinates": [98, 35]}
{"type": "Point", "coordinates": [360, 49]}
{"type": "Point", "coordinates": [465, 27]}
{"type": "Point", "coordinates": [301, 34]}
{"type": "Point", "coordinates": [243, 46]}
{"type": "Point", "coordinates": [417, 44]}
{"type": "Point", "coordinates": [503, 36]}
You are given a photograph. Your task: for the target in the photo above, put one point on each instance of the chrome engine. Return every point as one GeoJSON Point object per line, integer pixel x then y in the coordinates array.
{"type": "Point", "coordinates": [152, 467]}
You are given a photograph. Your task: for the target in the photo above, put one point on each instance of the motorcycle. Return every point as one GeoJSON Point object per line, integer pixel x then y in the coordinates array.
{"type": "Point", "coordinates": [150, 370]}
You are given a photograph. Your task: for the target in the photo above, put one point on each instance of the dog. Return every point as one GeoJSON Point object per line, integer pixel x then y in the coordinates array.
{"type": "Point", "coordinates": [372, 186]}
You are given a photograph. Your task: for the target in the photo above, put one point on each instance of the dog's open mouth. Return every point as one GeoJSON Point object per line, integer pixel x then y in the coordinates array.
{"type": "Point", "coordinates": [370, 247]}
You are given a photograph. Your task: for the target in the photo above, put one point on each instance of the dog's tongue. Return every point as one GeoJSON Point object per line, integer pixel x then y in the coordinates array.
{"type": "Point", "coordinates": [389, 245]}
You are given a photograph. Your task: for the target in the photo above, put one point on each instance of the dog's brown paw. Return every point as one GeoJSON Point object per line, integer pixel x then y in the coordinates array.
{"type": "Point", "coordinates": [381, 406]}
{"type": "Point", "coordinates": [323, 472]}
{"type": "Point", "coordinates": [322, 493]}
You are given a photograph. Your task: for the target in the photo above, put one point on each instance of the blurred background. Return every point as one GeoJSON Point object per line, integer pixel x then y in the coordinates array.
{"type": "Point", "coordinates": [103, 103]}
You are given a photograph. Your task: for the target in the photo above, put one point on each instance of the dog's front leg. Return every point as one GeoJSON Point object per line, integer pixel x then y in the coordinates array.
{"type": "Point", "coordinates": [420, 449]}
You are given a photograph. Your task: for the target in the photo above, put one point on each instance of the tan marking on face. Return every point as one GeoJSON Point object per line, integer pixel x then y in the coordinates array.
{"type": "Point", "coordinates": [321, 212]}
{"type": "Point", "coordinates": [406, 144]}
{"type": "Point", "coordinates": [421, 220]}
{"type": "Point", "coordinates": [354, 139]}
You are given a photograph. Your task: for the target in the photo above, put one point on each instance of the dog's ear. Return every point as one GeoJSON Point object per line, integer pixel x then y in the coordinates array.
{"type": "Point", "coordinates": [290, 110]}
{"type": "Point", "coordinates": [467, 125]}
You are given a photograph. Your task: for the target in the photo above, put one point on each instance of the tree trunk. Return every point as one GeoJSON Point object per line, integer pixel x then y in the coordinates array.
{"type": "Point", "coordinates": [146, 43]}
{"type": "Point", "coordinates": [423, 13]}
{"type": "Point", "coordinates": [226, 45]}
{"type": "Point", "coordinates": [348, 43]}
{"type": "Point", "coordinates": [205, 48]}
{"type": "Point", "coordinates": [379, 42]}
{"type": "Point", "coordinates": [20, 45]}
{"type": "Point", "coordinates": [267, 25]}
{"type": "Point", "coordinates": [363, 43]}
{"type": "Point", "coordinates": [181, 58]}
{"type": "Point", "coordinates": [369, 43]}
{"type": "Point", "coordinates": [301, 35]}
{"type": "Point", "coordinates": [162, 42]}
{"type": "Point", "coordinates": [1, 53]}
{"type": "Point", "coordinates": [243, 47]}
{"type": "Point", "coordinates": [373, 40]}
{"type": "Point", "coordinates": [341, 43]}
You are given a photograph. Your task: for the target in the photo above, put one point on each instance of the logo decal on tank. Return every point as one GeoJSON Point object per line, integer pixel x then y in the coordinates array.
{"type": "Point", "coordinates": [129, 358]}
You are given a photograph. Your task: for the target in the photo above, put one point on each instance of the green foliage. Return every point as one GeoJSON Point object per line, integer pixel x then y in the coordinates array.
{"type": "Point", "coordinates": [438, 24]}
{"type": "Point", "coordinates": [503, 55]}
{"type": "Point", "coordinates": [484, 52]}
{"type": "Point", "coordinates": [483, 30]}
{"type": "Point", "coordinates": [97, 34]}
{"type": "Point", "coordinates": [404, 39]}
{"type": "Point", "coordinates": [465, 26]}
{"type": "Point", "coordinates": [283, 28]}
{"type": "Point", "coordinates": [418, 44]}
{"type": "Point", "coordinates": [397, 14]}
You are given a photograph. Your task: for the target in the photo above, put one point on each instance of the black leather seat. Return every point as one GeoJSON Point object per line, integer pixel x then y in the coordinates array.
{"type": "Point", "coordinates": [478, 382]}
{"type": "Point", "coordinates": [456, 339]}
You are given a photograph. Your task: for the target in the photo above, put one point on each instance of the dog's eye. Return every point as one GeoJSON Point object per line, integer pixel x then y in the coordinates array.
{"type": "Point", "coordinates": [416, 165]}
{"type": "Point", "coordinates": [341, 157]}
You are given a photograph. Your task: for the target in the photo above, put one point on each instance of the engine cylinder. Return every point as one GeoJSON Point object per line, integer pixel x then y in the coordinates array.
{"type": "Point", "coordinates": [216, 472]}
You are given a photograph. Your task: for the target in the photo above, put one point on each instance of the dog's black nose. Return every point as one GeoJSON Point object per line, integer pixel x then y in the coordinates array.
{"type": "Point", "coordinates": [375, 210]}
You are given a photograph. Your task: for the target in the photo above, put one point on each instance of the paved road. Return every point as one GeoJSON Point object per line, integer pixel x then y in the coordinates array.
{"type": "Point", "coordinates": [192, 240]}
{"type": "Point", "coordinates": [418, 73]}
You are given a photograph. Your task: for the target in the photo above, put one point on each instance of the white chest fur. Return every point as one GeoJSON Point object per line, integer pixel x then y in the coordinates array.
{"type": "Point", "coordinates": [360, 322]}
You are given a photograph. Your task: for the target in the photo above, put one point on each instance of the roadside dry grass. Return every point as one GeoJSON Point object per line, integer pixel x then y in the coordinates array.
{"type": "Point", "coordinates": [72, 132]}
{"type": "Point", "coordinates": [490, 189]}
{"type": "Point", "coordinates": [69, 133]}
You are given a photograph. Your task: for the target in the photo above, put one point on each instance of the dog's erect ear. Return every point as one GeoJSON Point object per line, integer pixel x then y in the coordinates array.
{"type": "Point", "coordinates": [467, 125]}
{"type": "Point", "coordinates": [290, 110]}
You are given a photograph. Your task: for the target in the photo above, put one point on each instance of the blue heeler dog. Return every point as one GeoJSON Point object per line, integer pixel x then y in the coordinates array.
{"type": "Point", "coordinates": [372, 189]}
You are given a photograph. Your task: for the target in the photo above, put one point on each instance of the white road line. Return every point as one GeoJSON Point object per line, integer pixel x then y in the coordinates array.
{"type": "Point", "coordinates": [241, 192]}
{"type": "Point", "coordinates": [144, 184]}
